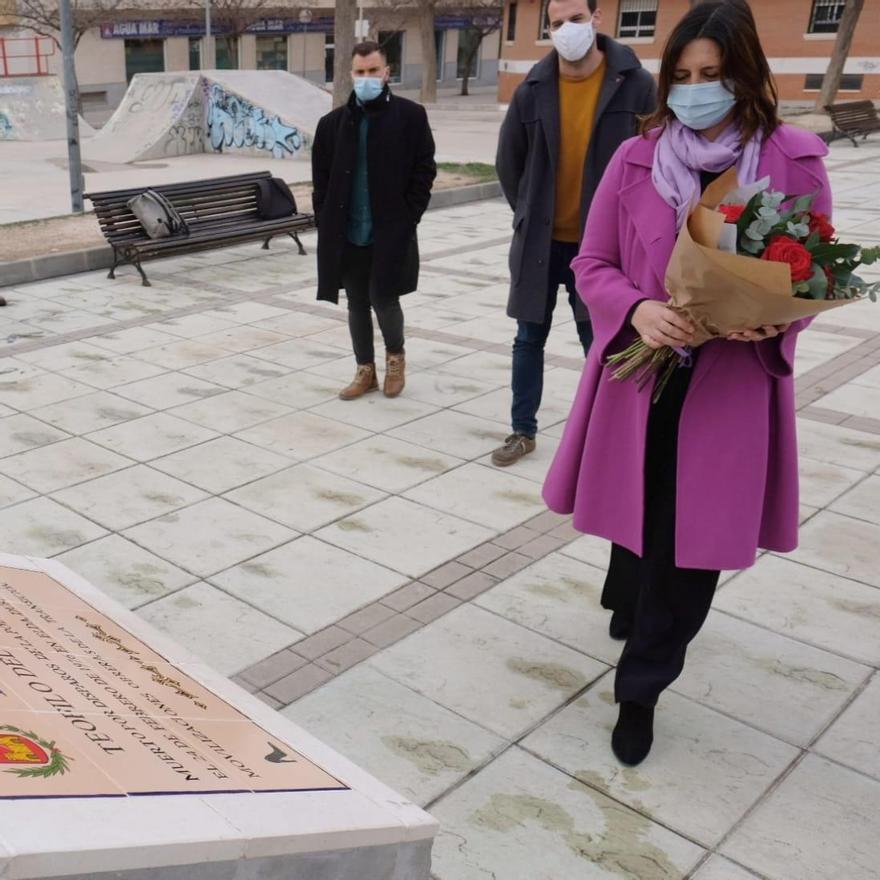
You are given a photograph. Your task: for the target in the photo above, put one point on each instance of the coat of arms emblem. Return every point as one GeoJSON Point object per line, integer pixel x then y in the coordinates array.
{"type": "Point", "coordinates": [28, 755]}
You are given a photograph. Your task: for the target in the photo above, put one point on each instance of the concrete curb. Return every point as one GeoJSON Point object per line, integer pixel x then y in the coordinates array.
{"type": "Point", "coordinates": [101, 257]}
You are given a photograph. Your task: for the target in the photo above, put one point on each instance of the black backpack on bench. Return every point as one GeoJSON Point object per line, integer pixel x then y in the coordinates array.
{"type": "Point", "coordinates": [274, 199]}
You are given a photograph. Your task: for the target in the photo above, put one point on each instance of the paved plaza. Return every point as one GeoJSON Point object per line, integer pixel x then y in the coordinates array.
{"type": "Point", "coordinates": [365, 570]}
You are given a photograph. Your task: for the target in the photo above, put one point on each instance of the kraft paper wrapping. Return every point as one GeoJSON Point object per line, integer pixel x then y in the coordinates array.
{"type": "Point", "coordinates": [722, 293]}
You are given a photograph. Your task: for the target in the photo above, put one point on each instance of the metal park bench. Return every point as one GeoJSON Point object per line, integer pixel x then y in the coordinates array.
{"type": "Point", "coordinates": [853, 119]}
{"type": "Point", "coordinates": [219, 211]}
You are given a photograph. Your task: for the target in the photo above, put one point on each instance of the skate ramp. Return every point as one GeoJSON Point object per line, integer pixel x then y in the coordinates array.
{"type": "Point", "coordinates": [32, 109]}
{"type": "Point", "coordinates": [267, 113]}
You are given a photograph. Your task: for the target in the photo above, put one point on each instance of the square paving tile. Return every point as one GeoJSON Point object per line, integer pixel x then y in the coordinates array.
{"type": "Point", "coordinates": [482, 494]}
{"type": "Point", "coordinates": [39, 389]}
{"type": "Point", "coordinates": [684, 783]}
{"type": "Point", "coordinates": [489, 670]}
{"type": "Point", "coordinates": [209, 536]}
{"type": "Point", "coordinates": [590, 549]}
{"type": "Point", "coordinates": [441, 390]}
{"type": "Point", "coordinates": [386, 463]}
{"type": "Point", "coordinates": [128, 573]}
{"type": "Point", "coordinates": [308, 584]}
{"type": "Point", "coordinates": [820, 823]}
{"type": "Point", "coordinates": [12, 492]}
{"type": "Point", "coordinates": [131, 340]}
{"type": "Point", "coordinates": [92, 412]}
{"type": "Point", "coordinates": [182, 353]}
{"type": "Point", "coordinates": [167, 390]}
{"type": "Point", "coordinates": [298, 390]}
{"type": "Point", "coordinates": [454, 433]}
{"type": "Point", "coordinates": [226, 633]}
{"type": "Point", "coordinates": [861, 502]}
{"type": "Point", "coordinates": [303, 435]}
{"type": "Point", "coordinates": [19, 433]}
{"type": "Point", "coordinates": [230, 412]}
{"type": "Point", "coordinates": [151, 436]}
{"type": "Point", "coordinates": [237, 371]}
{"type": "Point", "coordinates": [719, 868]}
{"type": "Point", "coordinates": [784, 687]}
{"type": "Point", "coordinates": [42, 527]}
{"type": "Point", "coordinates": [128, 497]}
{"type": "Point", "coordinates": [496, 406]}
{"type": "Point", "coordinates": [305, 497]}
{"type": "Point", "coordinates": [812, 606]}
{"type": "Point", "coordinates": [419, 748]}
{"type": "Point", "coordinates": [857, 400]}
{"type": "Point", "coordinates": [842, 545]}
{"type": "Point", "coordinates": [853, 739]}
{"type": "Point", "coordinates": [405, 536]}
{"type": "Point", "coordinates": [114, 371]}
{"type": "Point", "coordinates": [520, 819]}
{"type": "Point", "coordinates": [821, 483]}
{"type": "Point", "coordinates": [559, 598]}
{"type": "Point", "coordinates": [375, 412]}
{"type": "Point", "coordinates": [222, 464]}
{"type": "Point", "coordinates": [52, 467]}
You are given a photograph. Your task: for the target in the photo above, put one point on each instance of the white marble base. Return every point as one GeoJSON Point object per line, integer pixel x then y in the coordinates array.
{"type": "Point", "coordinates": [363, 831]}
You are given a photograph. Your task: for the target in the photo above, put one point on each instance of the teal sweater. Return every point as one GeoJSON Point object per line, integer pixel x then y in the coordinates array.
{"type": "Point", "coordinates": [360, 217]}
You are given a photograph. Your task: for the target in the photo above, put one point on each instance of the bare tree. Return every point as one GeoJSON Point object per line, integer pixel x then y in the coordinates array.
{"type": "Point", "coordinates": [845, 31]}
{"type": "Point", "coordinates": [427, 13]}
{"type": "Point", "coordinates": [343, 42]}
{"type": "Point", "coordinates": [486, 19]}
{"type": "Point", "coordinates": [41, 16]}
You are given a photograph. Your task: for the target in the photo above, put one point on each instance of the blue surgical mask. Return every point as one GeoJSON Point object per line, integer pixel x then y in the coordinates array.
{"type": "Point", "coordinates": [702, 105]}
{"type": "Point", "coordinates": [368, 88]}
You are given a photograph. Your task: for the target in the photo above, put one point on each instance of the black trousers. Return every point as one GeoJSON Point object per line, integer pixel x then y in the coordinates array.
{"type": "Point", "coordinates": [666, 604]}
{"type": "Point", "coordinates": [362, 296]}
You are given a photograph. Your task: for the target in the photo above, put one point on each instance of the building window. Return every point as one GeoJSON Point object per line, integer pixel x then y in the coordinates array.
{"type": "Point", "coordinates": [825, 17]}
{"type": "Point", "coordinates": [144, 56]}
{"type": "Point", "coordinates": [468, 53]}
{"type": "Point", "coordinates": [544, 28]}
{"type": "Point", "coordinates": [195, 53]}
{"type": "Point", "coordinates": [272, 53]}
{"type": "Point", "coordinates": [638, 18]}
{"type": "Point", "coordinates": [392, 43]}
{"type": "Point", "coordinates": [329, 55]}
{"type": "Point", "coordinates": [226, 52]}
{"type": "Point", "coordinates": [511, 21]}
{"type": "Point", "coordinates": [440, 47]}
{"type": "Point", "coordinates": [849, 82]}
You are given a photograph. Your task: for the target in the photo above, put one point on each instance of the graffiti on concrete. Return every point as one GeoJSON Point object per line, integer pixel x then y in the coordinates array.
{"type": "Point", "coordinates": [157, 95]}
{"type": "Point", "coordinates": [236, 124]}
{"type": "Point", "coordinates": [187, 134]}
{"type": "Point", "coordinates": [5, 127]}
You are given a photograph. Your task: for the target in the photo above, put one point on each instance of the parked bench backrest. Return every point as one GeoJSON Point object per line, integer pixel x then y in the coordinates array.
{"type": "Point", "coordinates": [855, 116]}
{"type": "Point", "coordinates": [216, 202]}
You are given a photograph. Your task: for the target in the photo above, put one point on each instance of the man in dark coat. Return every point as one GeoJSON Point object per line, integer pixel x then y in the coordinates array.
{"type": "Point", "coordinates": [564, 123]}
{"type": "Point", "coordinates": [372, 172]}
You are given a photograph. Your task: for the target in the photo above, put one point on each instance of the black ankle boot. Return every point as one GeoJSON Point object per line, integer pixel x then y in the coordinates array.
{"type": "Point", "coordinates": [620, 626]}
{"type": "Point", "coordinates": [633, 734]}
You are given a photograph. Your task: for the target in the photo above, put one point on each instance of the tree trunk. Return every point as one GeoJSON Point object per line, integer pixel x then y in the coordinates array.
{"type": "Point", "coordinates": [343, 43]}
{"type": "Point", "coordinates": [467, 68]}
{"type": "Point", "coordinates": [831, 82]}
{"type": "Point", "coordinates": [429, 52]}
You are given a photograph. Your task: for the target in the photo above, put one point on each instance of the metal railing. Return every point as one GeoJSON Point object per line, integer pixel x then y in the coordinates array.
{"type": "Point", "coordinates": [25, 56]}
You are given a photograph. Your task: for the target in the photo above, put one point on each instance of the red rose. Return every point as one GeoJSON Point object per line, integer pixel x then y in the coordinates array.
{"type": "Point", "coordinates": [732, 213]}
{"type": "Point", "coordinates": [783, 249]}
{"type": "Point", "coordinates": [820, 223]}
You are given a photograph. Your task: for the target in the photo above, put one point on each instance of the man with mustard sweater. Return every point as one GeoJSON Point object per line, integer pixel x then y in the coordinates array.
{"type": "Point", "coordinates": [564, 123]}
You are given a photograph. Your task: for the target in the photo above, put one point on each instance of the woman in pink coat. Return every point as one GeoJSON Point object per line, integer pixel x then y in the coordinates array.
{"type": "Point", "coordinates": [699, 481]}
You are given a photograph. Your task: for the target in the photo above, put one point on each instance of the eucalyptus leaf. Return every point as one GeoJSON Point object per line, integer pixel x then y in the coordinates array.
{"type": "Point", "coordinates": [817, 286]}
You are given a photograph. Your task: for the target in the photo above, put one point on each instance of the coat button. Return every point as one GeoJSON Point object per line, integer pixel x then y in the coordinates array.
{"type": "Point", "coordinates": [540, 261]}
{"type": "Point", "coordinates": [546, 221]}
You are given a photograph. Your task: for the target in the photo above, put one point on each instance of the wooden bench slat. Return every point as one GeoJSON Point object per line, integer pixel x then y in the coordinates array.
{"type": "Point", "coordinates": [853, 118]}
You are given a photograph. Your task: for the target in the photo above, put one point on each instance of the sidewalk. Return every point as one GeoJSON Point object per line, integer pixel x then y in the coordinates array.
{"type": "Point", "coordinates": [365, 570]}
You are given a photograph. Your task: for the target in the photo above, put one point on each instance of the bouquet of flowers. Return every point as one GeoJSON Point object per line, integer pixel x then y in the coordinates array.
{"type": "Point", "coordinates": [746, 257]}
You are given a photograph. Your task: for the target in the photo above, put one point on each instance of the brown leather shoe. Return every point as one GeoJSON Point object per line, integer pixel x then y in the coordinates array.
{"type": "Point", "coordinates": [515, 447]}
{"type": "Point", "coordinates": [395, 365]}
{"type": "Point", "coordinates": [364, 380]}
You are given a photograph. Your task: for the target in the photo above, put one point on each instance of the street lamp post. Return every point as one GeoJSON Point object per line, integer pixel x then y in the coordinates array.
{"type": "Point", "coordinates": [71, 102]}
{"type": "Point", "coordinates": [305, 19]}
{"type": "Point", "coordinates": [208, 60]}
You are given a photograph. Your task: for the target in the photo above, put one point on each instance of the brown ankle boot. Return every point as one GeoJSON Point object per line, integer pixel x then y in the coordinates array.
{"type": "Point", "coordinates": [394, 374]}
{"type": "Point", "coordinates": [364, 380]}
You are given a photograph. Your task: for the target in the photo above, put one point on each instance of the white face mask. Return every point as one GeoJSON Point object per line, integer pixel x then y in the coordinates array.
{"type": "Point", "coordinates": [574, 39]}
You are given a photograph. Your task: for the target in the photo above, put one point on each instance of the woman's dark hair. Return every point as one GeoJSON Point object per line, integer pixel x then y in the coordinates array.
{"type": "Point", "coordinates": [731, 25]}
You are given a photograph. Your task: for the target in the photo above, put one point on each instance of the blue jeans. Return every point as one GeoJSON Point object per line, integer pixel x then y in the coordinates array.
{"type": "Point", "coordinates": [528, 346]}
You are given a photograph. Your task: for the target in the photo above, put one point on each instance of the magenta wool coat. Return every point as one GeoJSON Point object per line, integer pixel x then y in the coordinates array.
{"type": "Point", "coordinates": [737, 455]}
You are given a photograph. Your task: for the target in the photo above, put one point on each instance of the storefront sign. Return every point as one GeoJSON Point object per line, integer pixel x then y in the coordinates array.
{"type": "Point", "coordinates": [162, 28]}
{"type": "Point", "coordinates": [88, 709]}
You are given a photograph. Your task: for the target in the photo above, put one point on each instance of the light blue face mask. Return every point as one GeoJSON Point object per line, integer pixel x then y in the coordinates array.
{"type": "Point", "coordinates": [702, 105]}
{"type": "Point", "coordinates": [368, 88]}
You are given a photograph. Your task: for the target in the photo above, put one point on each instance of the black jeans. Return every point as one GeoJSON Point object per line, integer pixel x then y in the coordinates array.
{"type": "Point", "coordinates": [362, 295]}
{"type": "Point", "coordinates": [528, 346]}
{"type": "Point", "coordinates": [666, 604]}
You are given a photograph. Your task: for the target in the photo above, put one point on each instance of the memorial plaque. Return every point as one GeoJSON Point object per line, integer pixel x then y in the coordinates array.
{"type": "Point", "coordinates": [87, 709]}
